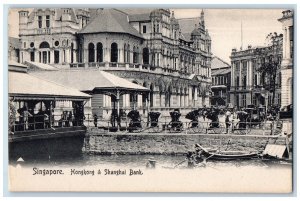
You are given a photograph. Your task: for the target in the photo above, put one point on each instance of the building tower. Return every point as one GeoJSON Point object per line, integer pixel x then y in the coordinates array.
{"type": "Point", "coordinates": [287, 58]}
{"type": "Point", "coordinates": [23, 21]}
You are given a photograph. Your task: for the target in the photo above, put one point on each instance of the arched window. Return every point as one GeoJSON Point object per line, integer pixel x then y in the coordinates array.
{"type": "Point", "coordinates": [114, 52]}
{"type": "Point", "coordinates": [99, 52]}
{"type": "Point", "coordinates": [146, 55]}
{"type": "Point", "coordinates": [125, 53]}
{"type": "Point", "coordinates": [134, 55]}
{"type": "Point", "coordinates": [44, 45]}
{"type": "Point", "coordinates": [151, 95]}
{"type": "Point", "coordinates": [72, 52]}
{"type": "Point", "coordinates": [137, 55]}
{"type": "Point", "coordinates": [128, 53]}
{"type": "Point", "coordinates": [91, 52]}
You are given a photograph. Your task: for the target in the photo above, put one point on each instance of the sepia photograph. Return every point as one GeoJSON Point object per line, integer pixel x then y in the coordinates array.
{"type": "Point", "coordinates": [150, 99]}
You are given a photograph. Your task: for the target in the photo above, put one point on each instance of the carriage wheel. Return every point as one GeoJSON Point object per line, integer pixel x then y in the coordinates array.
{"type": "Point", "coordinates": [218, 130]}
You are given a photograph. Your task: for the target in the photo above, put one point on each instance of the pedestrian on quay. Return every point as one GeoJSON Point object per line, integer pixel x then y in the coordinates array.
{"type": "Point", "coordinates": [227, 121]}
{"type": "Point", "coordinates": [26, 114]}
{"type": "Point", "coordinates": [70, 118]}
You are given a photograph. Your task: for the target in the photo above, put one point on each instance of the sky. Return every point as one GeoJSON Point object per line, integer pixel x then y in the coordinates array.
{"type": "Point", "coordinates": [224, 25]}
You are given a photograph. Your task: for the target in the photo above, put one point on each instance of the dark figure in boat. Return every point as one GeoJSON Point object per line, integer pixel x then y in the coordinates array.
{"type": "Point", "coordinates": [193, 116]}
{"type": "Point", "coordinates": [196, 158]}
{"type": "Point", "coordinates": [154, 118]}
{"type": "Point", "coordinates": [175, 123]}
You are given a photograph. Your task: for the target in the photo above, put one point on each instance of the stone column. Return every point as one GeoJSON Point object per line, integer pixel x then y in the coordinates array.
{"type": "Point", "coordinates": [186, 102]}
{"type": "Point", "coordinates": [288, 46]}
{"type": "Point", "coordinates": [36, 56]}
{"type": "Point", "coordinates": [139, 100]}
{"type": "Point", "coordinates": [190, 97]}
{"type": "Point", "coordinates": [178, 100]}
{"type": "Point", "coordinates": [121, 58]}
{"type": "Point", "coordinates": [85, 56]}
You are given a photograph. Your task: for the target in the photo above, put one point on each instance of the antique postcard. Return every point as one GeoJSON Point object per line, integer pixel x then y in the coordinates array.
{"type": "Point", "coordinates": [150, 99]}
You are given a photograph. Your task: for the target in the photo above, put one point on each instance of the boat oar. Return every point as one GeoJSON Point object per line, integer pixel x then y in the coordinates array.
{"type": "Point", "coordinates": [179, 163]}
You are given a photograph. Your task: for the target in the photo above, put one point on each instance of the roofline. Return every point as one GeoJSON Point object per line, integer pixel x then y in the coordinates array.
{"type": "Point", "coordinates": [48, 96]}
{"type": "Point", "coordinates": [221, 60]}
{"type": "Point", "coordinates": [112, 32]}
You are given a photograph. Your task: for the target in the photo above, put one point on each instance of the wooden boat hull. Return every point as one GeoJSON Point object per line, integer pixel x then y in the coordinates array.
{"type": "Point", "coordinates": [226, 155]}
{"type": "Point", "coordinates": [220, 156]}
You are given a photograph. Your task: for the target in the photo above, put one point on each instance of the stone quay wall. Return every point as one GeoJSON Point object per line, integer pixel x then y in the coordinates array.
{"type": "Point", "coordinates": [173, 143]}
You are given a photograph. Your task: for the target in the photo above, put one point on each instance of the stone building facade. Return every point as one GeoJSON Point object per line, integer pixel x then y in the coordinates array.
{"type": "Point", "coordinates": [287, 57]}
{"type": "Point", "coordinates": [247, 82]}
{"type": "Point", "coordinates": [148, 49]}
{"type": "Point", "coordinates": [221, 82]}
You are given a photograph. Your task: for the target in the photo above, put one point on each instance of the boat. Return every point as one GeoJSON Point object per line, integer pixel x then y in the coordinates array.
{"type": "Point", "coordinates": [225, 155]}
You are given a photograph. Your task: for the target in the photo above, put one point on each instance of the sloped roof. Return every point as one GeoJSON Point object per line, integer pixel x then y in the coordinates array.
{"type": "Point", "coordinates": [88, 80]}
{"type": "Point", "coordinates": [110, 21]}
{"type": "Point", "coordinates": [221, 71]}
{"type": "Point", "coordinates": [188, 24]}
{"type": "Point", "coordinates": [139, 17]}
{"type": "Point", "coordinates": [24, 84]}
{"type": "Point", "coordinates": [15, 66]}
{"type": "Point", "coordinates": [217, 62]}
{"type": "Point", "coordinates": [14, 63]}
{"type": "Point", "coordinates": [41, 66]}
{"type": "Point", "coordinates": [185, 36]}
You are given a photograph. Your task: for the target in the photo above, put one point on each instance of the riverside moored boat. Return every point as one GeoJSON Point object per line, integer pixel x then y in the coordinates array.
{"type": "Point", "coordinates": [226, 155]}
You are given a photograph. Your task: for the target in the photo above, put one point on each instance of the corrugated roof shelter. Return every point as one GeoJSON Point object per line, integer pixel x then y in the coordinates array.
{"type": "Point", "coordinates": [25, 86]}
{"type": "Point", "coordinates": [277, 151]}
{"type": "Point", "coordinates": [89, 80]}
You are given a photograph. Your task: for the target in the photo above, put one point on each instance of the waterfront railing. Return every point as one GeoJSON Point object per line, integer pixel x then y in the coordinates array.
{"type": "Point", "coordinates": [163, 125]}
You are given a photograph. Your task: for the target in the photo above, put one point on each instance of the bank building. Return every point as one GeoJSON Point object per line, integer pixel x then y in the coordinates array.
{"type": "Point", "coordinates": [148, 49]}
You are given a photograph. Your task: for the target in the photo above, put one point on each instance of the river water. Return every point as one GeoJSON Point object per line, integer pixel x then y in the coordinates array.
{"type": "Point", "coordinates": [140, 161]}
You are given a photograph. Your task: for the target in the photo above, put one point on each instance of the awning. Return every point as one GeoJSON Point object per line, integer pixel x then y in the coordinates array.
{"type": "Point", "coordinates": [90, 80]}
{"type": "Point", "coordinates": [24, 86]}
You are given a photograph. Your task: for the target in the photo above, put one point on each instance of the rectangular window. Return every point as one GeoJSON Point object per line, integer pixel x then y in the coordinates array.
{"type": "Point", "coordinates": [144, 29]}
{"type": "Point", "coordinates": [245, 82]}
{"type": "Point", "coordinates": [237, 82]}
{"type": "Point", "coordinates": [244, 100]}
{"type": "Point", "coordinates": [56, 56]}
{"type": "Point", "coordinates": [47, 21]}
{"type": "Point", "coordinates": [254, 100]}
{"type": "Point", "coordinates": [32, 56]}
{"type": "Point", "coordinates": [291, 31]}
{"type": "Point", "coordinates": [237, 100]}
{"type": "Point", "coordinates": [255, 80]}
{"type": "Point", "coordinates": [279, 99]}
{"type": "Point", "coordinates": [40, 21]}
{"type": "Point", "coordinates": [269, 99]}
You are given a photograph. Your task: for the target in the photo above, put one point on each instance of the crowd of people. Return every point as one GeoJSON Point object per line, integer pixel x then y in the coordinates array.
{"type": "Point", "coordinates": [28, 119]}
